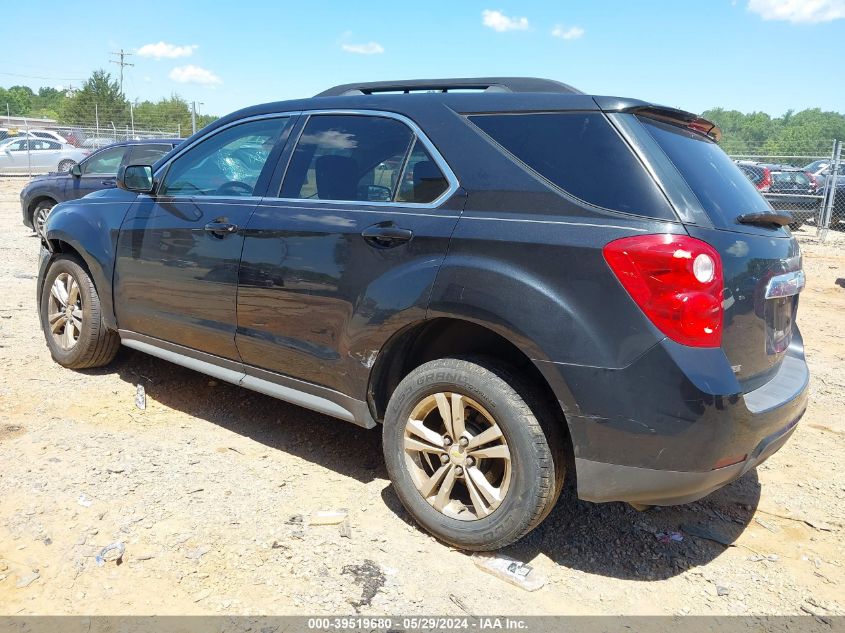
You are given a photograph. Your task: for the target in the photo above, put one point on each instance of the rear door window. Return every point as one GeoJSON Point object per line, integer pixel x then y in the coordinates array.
{"type": "Point", "coordinates": [720, 186]}
{"type": "Point", "coordinates": [348, 157]}
{"type": "Point", "coordinates": [146, 154]}
{"type": "Point", "coordinates": [582, 154]}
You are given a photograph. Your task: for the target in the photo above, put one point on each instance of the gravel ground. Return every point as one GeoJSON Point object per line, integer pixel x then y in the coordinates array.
{"type": "Point", "coordinates": [211, 487]}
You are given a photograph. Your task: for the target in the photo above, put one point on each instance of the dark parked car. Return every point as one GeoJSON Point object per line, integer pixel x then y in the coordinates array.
{"type": "Point", "coordinates": [493, 275]}
{"type": "Point", "coordinates": [787, 188]}
{"type": "Point", "coordinates": [97, 171]}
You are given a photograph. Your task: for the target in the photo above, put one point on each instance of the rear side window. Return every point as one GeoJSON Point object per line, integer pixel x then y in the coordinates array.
{"type": "Point", "coordinates": [581, 153]}
{"type": "Point", "coordinates": [146, 154]}
{"type": "Point", "coordinates": [721, 187]}
{"type": "Point", "coordinates": [754, 174]}
{"type": "Point", "coordinates": [791, 178]}
{"type": "Point", "coordinates": [422, 180]}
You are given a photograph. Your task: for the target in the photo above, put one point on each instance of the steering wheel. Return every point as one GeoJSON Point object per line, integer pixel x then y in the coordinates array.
{"type": "Point", "coordinates": [235, 187]}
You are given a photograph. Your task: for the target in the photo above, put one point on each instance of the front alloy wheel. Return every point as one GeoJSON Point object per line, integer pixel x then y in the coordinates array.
{"type": "Point", "coordinates": [39, 216]}
{"type": "Point", "coordinates": [71, 316]}
{"type": "Point", "coordinates": [64, 311]}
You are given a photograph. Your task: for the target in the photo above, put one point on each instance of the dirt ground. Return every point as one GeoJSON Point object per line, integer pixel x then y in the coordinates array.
{"type": "Point", "coordinates": [210, 489]}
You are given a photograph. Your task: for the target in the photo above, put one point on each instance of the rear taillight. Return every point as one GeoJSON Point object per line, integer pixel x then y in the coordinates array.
{"type": "Point", "coordinates": [676, 281]}
{"type": "Point", "coordinates": [766, 181]}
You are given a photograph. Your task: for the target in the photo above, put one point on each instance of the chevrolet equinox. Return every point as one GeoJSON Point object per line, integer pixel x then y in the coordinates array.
{"type": "Point", "coordinates": [519, 282]}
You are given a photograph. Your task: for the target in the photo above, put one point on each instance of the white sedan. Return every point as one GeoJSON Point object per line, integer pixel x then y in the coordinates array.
{"type": "Point", "coordinates": [37, 155]}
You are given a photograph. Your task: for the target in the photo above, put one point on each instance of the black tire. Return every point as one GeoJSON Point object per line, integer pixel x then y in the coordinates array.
{"type": "Point", "coordinates": [537, 462]}
{"type": "Point", "coordinates": [96, 345]}
{"type": "Point", "coordinates": [65, 165]}
{"type": "Point", "coordinates": [39, 215]}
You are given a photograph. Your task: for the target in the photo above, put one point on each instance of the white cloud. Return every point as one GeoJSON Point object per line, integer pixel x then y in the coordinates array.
{"type": "Point", "coordinates": [163, 50]}
{"type": "Point", "coordinates": [194, 75]}
{"type": "Point", "coordinates": [498, 21]}
{"type": "Point", "coordinates": [370, 48]}
{"type": "Point", "coordinates": [572, 33]}
{"type": "Point", "coordinates": [799, 11]}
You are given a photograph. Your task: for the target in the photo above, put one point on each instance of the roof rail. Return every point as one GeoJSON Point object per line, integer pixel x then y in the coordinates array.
{"type": "Point", "coordinates": [489, 84]}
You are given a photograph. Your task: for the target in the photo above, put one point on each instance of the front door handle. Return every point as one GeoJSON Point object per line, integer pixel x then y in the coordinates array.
{"type": "Point", "coordinates": [108, 183]}
{"type": "Point", "coordinates": [386, 235]}
{"type": "Point", "coordinates": [221, 229]}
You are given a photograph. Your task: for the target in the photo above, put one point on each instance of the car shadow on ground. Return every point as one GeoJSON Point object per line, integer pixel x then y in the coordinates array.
{"type": "Point", "coordinates": [615, 540]}
{"type": "Point", "coordinates": [340, 446]}
{"type": "Point", "coordinates": [610, 539]}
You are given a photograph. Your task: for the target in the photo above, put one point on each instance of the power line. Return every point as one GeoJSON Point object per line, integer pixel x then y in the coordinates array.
{"type": "Point", "coordinates": [42, 77]}
{"type": "Point", "coordinates": [121, 63]}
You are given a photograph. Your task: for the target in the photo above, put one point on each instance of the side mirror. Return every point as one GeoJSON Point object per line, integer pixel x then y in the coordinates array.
{"type": "Point", "coordinates": [137, 178]}
{"type": "Point", "coordinates": [76, 170]}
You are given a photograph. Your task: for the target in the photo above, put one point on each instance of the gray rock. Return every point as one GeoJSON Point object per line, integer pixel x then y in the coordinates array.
{"type": "Point", "coordinates": [27, 580]}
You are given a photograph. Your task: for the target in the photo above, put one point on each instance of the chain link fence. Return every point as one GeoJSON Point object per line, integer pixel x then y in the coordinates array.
{"type": "Point", "coordinates": [30, 147]}
{"type": "Point", "coordinates": [809, 184]}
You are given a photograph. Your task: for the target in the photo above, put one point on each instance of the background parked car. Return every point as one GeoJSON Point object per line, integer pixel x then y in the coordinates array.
{"type": "Point", "coordinates": [95, 172]}
{"type": "Point", "coordinates": [96, 142]}
{"type": "Point", "coordinates": [21, 155]}
{"type": "Point", "coordinates": [50, 135]}
{"type": "Point", "coordinates": [786, 188]}
{"type": "Point", "coordinates": [818, 168]}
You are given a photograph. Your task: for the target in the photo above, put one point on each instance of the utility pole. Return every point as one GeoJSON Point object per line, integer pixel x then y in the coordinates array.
{"type": "Point", "coordinates": [121, 63]}
{"type": "Point", "coordinates": [193, 117]}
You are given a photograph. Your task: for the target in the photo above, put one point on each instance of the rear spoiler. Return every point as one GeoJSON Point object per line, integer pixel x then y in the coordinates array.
{"type": "Point", "coordinates": [673, 116]}
{"type": "Point", "coordinates": [688, 120]}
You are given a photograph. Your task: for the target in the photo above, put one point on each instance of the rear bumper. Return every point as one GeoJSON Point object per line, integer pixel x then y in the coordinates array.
{"type": "Point", "coordinates": [658, 431]}
{"type": "Point", "coordinates": [599, 482]}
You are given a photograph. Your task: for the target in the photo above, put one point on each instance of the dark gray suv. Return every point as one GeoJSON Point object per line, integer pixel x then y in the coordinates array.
{"type": "Point", "coordinates": [518, 282]}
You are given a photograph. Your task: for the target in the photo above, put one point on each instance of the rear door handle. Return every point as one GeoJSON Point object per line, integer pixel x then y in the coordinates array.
{"type": "Point", "coordinates": [386, 235]}
{"type": "Point", "coordinates": [221, 229]}
{"type": "Point", "coordinates": [108, 183]}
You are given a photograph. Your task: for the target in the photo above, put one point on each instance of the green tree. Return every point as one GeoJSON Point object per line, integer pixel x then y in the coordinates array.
{"type": "Point", "coordinates": [18, 99]}
{"type": "Point", "coordinates": [100, 98]}
{"type": "Point", "coordinates": [165, 114]}
{"type": "Point", "coordinates": [48, 103]}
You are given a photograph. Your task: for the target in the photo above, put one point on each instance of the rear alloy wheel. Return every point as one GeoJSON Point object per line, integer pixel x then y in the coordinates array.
{"type": "Point", "coordinates": [65, 165]}
{"type": "Point", "coordinates": [467, 455]}
{"type": "Point", "coordinates": [462, 444]}
{"type": "Point", "coordinates": [40, 214]}
{"type": "Point", "coordinates": [71, 317]}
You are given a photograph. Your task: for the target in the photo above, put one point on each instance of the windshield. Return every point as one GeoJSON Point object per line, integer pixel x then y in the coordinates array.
{"type": "Point", "coordinates": [720, 186]}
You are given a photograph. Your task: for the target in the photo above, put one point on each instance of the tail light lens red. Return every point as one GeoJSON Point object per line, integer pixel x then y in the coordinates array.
{"type": "Point", "coordinates": [766, 181]}
{"type": "Point", "coordinates": [676, 280]}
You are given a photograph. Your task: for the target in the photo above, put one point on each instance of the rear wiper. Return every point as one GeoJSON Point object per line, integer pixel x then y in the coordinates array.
{"type": "Point", "coordinates": [766, 218]}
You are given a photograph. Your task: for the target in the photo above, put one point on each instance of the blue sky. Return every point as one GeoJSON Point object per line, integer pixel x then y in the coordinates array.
{"type": "Point", "coordinates": [748, 55]}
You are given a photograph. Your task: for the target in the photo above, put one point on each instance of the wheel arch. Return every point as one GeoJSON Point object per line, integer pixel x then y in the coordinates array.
{"type": "Point", "coordinates": [35, 201]}
{"type": "Point", "coordinates": [443, 337]}
{"type": "Point", "coordinates": [94, 268]}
